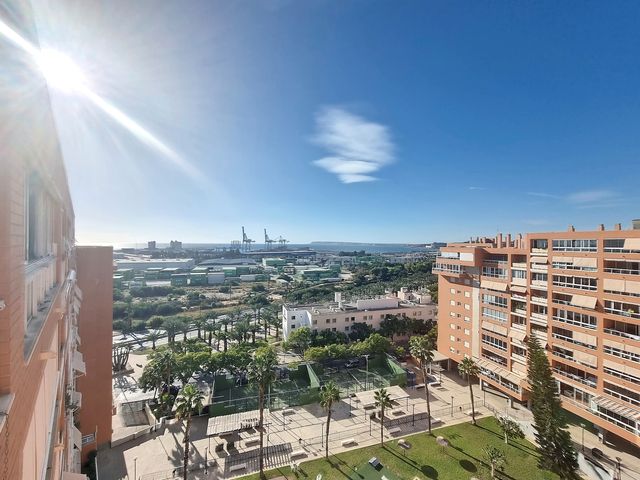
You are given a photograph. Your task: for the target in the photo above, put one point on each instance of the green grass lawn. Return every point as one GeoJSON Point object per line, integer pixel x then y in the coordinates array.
{"type": "Point", "coordinates": [463, 459]}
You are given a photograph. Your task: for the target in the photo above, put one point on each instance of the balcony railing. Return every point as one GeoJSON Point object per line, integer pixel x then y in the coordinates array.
{"type": "Point", "coordinates": [571, 340]}
{"type": "Point", "coordinates": [539, 300]}
{"type": "Point", "coordinates": [575, 322]}
{"type": "Point", "coordinates": [40, 278]}
{"type": "Point", "coordinates": [576, 378]}
{"type": "Point", "coordinates": [623, 313]}
{"type": "Point", "coordinates": [618, 333]}
{"type": "Point", "coordinates": [622, 271]}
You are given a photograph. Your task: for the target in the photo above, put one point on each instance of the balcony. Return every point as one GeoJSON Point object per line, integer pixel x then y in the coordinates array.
{"type": "Point", "coordinates": [575, 341]}
{"type": "Point", "coordinates": [40, 291]}
{"type": "Point", "coordinates": [629, 310]}
{"type": "Point", "coordinates": [588, 381]}
{"type": "Point", "coordinates": [538, 318]}
{"type": "Point", "coordinates": [623, 334]}
{"type": "Point", "coordinates": [539, 301]}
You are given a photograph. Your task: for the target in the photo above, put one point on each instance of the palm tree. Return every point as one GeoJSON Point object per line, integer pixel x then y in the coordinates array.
{"type": "Point", "coordinates": [184, 328]}
{"type": "Point", "coordinates": [261, 373]}
{"type": "Point", "coordinates": [224, 337]}
{"type": "Point", "coordinates": [189, 400]}
{"type": "Point", "coordinates": [383, 401]}
{"type": "Point", "coordinates": [171, 325]}
{"type": "Point", "coordinates": [276, 323]}
{"type": "Point", "coordinates": [468, 368]}
{"type": "Point", "coordinates": [153, 336]}
{"type": "Point", "coordinates": [209, 327]}
{"type": "Point", "coordinates": [496, 459]}
{"type": "Point", "coordinates": [510, 428]}
{"type": "Point", "coordinates": [329, 394]}
{"type": "Point", "coordinates": [200, 322]}
{"type": "Point", "coordinates": [421, 348]}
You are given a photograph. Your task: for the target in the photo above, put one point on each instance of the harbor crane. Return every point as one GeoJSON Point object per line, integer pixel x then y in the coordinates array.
{"type": "Point", "coordinates": [268, 242]}
{"type": "Point", "coordinates": [246, 241]}
{"type": "Point", "coordinates": [282, 241]}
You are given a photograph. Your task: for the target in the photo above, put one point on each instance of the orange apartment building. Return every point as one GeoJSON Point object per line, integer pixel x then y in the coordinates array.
{"type": "Point", "coordinates": [577, 292]}
{"type": "Point", "coordinates": [40, 351]}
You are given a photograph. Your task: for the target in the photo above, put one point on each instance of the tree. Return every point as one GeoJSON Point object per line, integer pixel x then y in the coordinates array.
{"type": "Point", "coordinates": [188, 401]}
{"type": "Point", "coordinates": [496, 459]}
{"type": "Point", "coordinates": [468, 368]}
{"type": "Point", "coordinates": [210, 327]}
{"type": "Point", "coordinates": [510, 429]}
{"type": "Point", "coordinates": [153, 337]}
{"type": "Point", "coordinates": [172, 326]}
{"type": "Point", "coordinates": [329, 394]}
{"type": "Point", "coordinates": [199, 323]}
{"type": "Point", "coordinates": [359, 331]}
{"type": "Point", "coordinates": [554, 441]}
{"type": "Point", "coordinates": [155, 322]}
{"type": "Point", "coordinates": [299, 340]}
{"type": "Point", "coordinates": [421, 348]}
{"type": "Point", "coordinates": [185, 326]}
{"type": "Point", "coordinates": [261, 373]}
{"type": "Point", "coordinates": [383, 401]}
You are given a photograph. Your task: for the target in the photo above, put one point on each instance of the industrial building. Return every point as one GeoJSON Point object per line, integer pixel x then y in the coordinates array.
{"type": "Point", "coordinates": [339, 315]}
{"type": "Point", "coordinates": [46, 385]}
{"type": "Point", "coordinates": [578, 293]}
{"type": "Point", "coordinates": [146, 263]}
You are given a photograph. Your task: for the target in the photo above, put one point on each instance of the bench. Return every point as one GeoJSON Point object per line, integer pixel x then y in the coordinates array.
{"type": "Point", "coordinates": [251, 441]}
{"type": "Point", "coordinates": [397, 412]}
{"type": "Point", "coordinates": [469, 412]}
{"type": "Point", "coordinates": [226, 434]}
{"type": "Point", "coordinates": [349, 441]}
{"type": "Point", "coordinates": [237, 466]}
{"type": "Point", "coordinates": [436, 420]}
{"type": "Point", "coordinates": [403, 443]}
{"type": "Point", "coordinates": [298, 453]}
{"type": "Point", "coordinates": [419, 385]}
{"type": "Point", "coordinates": [394, 430]}
{"type": "Point", "coordinates": [287, 411]}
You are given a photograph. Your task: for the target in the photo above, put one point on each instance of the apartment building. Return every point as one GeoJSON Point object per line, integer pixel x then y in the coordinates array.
{"type": "Point", "coordinates": [339, 315]}
{"type": "Point", "coordinates": [577, 292]}
{"type": "Point", "coordinates": [40, 352]}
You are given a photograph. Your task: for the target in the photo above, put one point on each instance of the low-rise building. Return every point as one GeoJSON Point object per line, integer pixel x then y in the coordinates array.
{"type": "Point", "coordinates": [338, 316]}
{"type": "Point", "coordinates": [145, 263]}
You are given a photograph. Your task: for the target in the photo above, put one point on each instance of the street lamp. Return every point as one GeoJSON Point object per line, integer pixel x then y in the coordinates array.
{"type": "Point", "coordinates": [619, 467]}
{"type": "Point", "coordinates": [452, 405]}
{"type": "Point", "coordinates": [582, 425]}
{"type": "Point", "coordinates": [366, 383]}
{"type": "Point", "coordinates": [135, 468]}
{"type": "Point", "coordinates": [206, 460]}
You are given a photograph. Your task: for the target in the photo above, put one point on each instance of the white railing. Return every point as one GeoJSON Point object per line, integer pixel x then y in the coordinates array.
{"type": "Point", "coordinates": [40, 278]}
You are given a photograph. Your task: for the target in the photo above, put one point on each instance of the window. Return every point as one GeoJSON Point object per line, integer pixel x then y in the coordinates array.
{"type": "Point", "coordinates": [452, 314]}
{"type": "Point", "coordinates": [494, 314]}
{"type": "Point", "coordinates": [467, 306]}
{"type": "Point", "coordinates": [574, 318]}
{"type": "Point", "coordinates": [40, 219]}
{"type": "Point", "coordinates": [581, 283]}
{"type": "Point", "coordinates": [452, 291]}
{"type": "Point", "coordinates": [452, 303]}
{"type": "Point", "coordinates": [539, 244]}
{"type": "Point", "coordinates": [494, 300]}
{"type": "Point", "coordinates": [467, 294]}
{"type": "Point", "coordinates": [466, 344]}
{"type": "Point", "coordinates": [467, 331]}
{"type": "Point", "coordinates": [328, 320]}
{"type": "Point", "coordinates": [333, 320]}
{"type": "Point", "coordinates": [452, 338]}
{"type": "Point", "coordinates": [346, 329]}
{"type": "Point", "coordinates": [494, 342]}
{"type": "Point", "coordinates": [519, 274]}
{"type": "Point", "coordinates": [292, 327]}
{"type": "Point", "coordinates": [453, 326]}
{"type": "Point", "coordinates": [494, 272]}
{"type": "Point", "coordinates": [467, 319]}
{"type": "Point", "coordinates": [293, 317]}
{"type": "Point", "coordinates": [575, 245]}
{"type": "Point", "coordinates": [315, 322]}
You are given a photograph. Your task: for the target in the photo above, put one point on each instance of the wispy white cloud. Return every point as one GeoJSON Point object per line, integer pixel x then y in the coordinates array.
{"type": "Point", "coordinates": [543, 195]}
{"type": "Point", "coordinates": [477, 188]}
{"type": "Point", "coordinates": [591, 196]}
{"type": "Point", "coordinates": [358, 147]}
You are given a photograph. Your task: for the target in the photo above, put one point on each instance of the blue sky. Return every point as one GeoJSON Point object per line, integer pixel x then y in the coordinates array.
{"type": "Point", "coordinates": [411, 121]}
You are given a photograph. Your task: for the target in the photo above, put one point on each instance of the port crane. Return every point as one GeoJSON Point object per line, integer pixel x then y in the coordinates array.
{"type": "Point", "coordinates": [246, 241]}
{"type": "Point", "coordinates": [268, 242]}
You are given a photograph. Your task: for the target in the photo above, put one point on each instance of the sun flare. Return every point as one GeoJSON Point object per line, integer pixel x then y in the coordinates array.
{"type": "Point", "coordinates": [61, 72]}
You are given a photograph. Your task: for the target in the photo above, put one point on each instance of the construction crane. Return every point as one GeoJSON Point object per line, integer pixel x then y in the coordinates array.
{"type": "Point", "coordinates": [246, 241]}
{"type": "Point", "coordinates": [268, 242]}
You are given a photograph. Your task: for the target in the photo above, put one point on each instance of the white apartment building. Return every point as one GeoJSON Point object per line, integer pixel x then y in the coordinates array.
{"type": "Point", "coordinates": [339, 315]}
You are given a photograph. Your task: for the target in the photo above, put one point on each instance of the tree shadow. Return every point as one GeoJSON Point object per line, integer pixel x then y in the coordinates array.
{"type": "Point", "coordinates": [429, 471]}
{"type": "Point", "coordinates": [512, 443]}
{"type": "Point", "coordinates": [468, 466]}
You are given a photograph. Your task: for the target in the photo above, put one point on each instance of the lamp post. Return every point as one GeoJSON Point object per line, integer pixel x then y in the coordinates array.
{"type": "Point", "coordinates": [452, 405]}
{"type": "Point", "coordinates": [619, 467]}
{"type": "Point", "coordinates": [366, 383]}
{"type": "Point", "coordinates": [135, 468]}
{"type": "Point", "coordinates": [582, 442]}
{"type": "Point", "coordinates": [206, 460]}
{"type": "Point", "coordinates": [413, 415]}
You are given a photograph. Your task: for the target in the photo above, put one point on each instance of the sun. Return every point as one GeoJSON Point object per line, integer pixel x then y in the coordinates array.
{"type": "Point", "coordinates": [61, 72]}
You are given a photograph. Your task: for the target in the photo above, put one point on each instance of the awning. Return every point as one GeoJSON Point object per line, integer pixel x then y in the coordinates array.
{"type": "Point", "coordinates": [494, 328]}
{"type": "Point", "coordinates": [438, 357]}
{"type": "Point", "coordinates": [587, 358]}
{"type": "Point", "coordinates": [539, 259]}
{"type": "Point", "coordinates": [491, 285]}
{"type": "Point", "coordinates": [517, 334]}
{"type": "Point", "coordinates": [562, 260]}
{"type": "Point", "coordinates": [74, 476]}
{"type": "Point", "coordinates": [77, 437]}
{"type": "Point", "coordinates": [585, 262]}
{"type": "Point", "coordinates": [615, 407]}
{"type": "Point", "coordinates": [501, 371]}
{"type": "Point", "coordinates": [622, 346]}
{"type": "Point", "coordinates": [78, 362]}
{"type": "Point", "coordinates": [632, 243]}
{"type": "Point", "coordinates": [625, 286]}
{"type": "Point", "coordinates": [583, 301]}
{"type": "Point", "coordinates": [584, 338]}
{"type": "Point", "coordinates": [621, 368]}
{"type": "Point", "coordinates": [518, 289]}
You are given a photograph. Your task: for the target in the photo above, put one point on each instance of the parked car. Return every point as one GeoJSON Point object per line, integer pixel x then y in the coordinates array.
{"type": "Point", "coordinates": [353, 363]}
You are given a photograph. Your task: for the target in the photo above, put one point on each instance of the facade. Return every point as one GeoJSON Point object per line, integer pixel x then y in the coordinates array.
{"type": "Point", "coordinates": [96, 333]}
{"type": "Point", "coordinates": [40, 360]}
{"type": "Point", "coordinates": [577, 292]}
{"type": "Point", "coordinates": [338, 316]}
{"type": "Point", "coordinates": [145, 263]}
